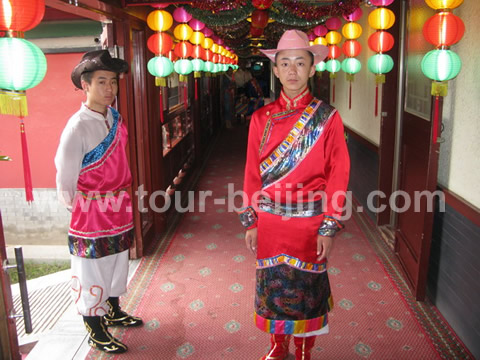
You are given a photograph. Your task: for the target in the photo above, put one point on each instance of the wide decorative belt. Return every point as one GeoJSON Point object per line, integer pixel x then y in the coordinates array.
{"type": "Point", "coordinates": [300, 209]}
{"type": "Point", "coordinates": [99, 195]}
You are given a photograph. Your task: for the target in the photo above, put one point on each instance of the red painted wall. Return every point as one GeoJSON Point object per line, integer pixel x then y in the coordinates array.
{"type": "Point", "coordinates": [50, 104]}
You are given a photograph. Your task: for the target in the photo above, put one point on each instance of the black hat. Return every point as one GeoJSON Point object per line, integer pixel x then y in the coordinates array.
{"type": "Point", "coordinates": [97, 60]}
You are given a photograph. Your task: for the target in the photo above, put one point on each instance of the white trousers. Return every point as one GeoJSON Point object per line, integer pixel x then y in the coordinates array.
{"type": "Point", "coordinates": [95, 280]}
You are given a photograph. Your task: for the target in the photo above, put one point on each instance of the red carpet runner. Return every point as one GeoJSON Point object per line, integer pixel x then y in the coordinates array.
{"type": "Point", "coordinates": [195, 291]}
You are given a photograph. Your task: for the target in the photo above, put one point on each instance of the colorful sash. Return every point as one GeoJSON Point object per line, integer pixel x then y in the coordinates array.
{"type": "Point", "coordinates": [298, 143]}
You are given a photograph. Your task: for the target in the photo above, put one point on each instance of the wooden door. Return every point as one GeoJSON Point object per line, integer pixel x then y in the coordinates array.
{"type": "Point", "coordinates": [418, 160]}
{"type": "Point", "coordinates": [8, 330]}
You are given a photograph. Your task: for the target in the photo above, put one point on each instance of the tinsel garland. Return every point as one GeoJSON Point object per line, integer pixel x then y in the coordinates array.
{"type": "Point", "coordinates": [311, 12]}
{"type": "Point", "coordinates": [281, 15]}
{"type": "Point", "coordinates": [218, 5]}
{"type": "Point", "coordinates": [220, 18]}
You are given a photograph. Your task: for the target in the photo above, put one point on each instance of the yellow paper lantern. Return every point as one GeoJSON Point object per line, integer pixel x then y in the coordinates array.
{"type": "Point", "coordinates": [333, 37]}
{"type": "Point", "coordinates": [182, 32]}
{"type": "Point", "coordinates": [197, 38]}
{"type": "Point", "coordinates": [320, 40]}
{"type": "Point", "coordinates": [352, 30]}
{"type": "Point", "coordinates": [214, 48]}
{"type": "Point", "coordinates": [443, 4]}
{"type": "Point", "coordinates": [207, 43]}
{"type": "Point", "coordinates": [159, 20]}
{"type": "Point", "coordinates": [381, 19]}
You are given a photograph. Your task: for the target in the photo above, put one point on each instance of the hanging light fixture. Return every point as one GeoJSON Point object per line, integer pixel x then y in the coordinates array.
{"type": "Point", "coordinates": [22, 66]}
{"type": "Point", "coordinates": [441, 64]}
{"type": "Point", "coordinates": [380, 41]}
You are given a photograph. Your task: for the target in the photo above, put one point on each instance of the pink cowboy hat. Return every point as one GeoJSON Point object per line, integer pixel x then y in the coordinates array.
{"type": "Point", "coordinates": [297, 40]}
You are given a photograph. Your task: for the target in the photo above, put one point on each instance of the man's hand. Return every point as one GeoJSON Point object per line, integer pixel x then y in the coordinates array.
{"type": "Point", "coordinates": [251, 240]}
{"type": "Point", "coordinates": [324, 245]}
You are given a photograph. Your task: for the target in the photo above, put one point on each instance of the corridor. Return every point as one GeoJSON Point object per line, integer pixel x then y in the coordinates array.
{"type": "Point", "coordinates": [195, 287]}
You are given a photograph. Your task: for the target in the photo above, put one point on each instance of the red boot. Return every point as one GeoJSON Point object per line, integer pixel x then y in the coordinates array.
{"type": "Point", "coordinates": [279, 349]}
{"type": "Point", "coordinates": [303, 347]}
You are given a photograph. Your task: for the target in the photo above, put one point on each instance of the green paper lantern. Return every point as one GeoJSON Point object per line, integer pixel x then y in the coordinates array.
{"type": "Point", "coordinates": [320, 66]}
{"type": "Point", "coordinates": [441, 65]}
{"type": "Point", "coordinates": [160, 66]}
{"type": "Point", "coordinates": [351, 65]}
{"type": "Point", "coordinates": [183, 67]}
{"type": "Point", "coordinates": [380, 64]}
{"type": "Point", "coordinates": [209, 66]}
{"type": "Point", "coordinates": [333, 66]}
{"type": "Point", "coordinates": [198, 65]}
{"type": "Point", "coordinates": [22, 64]}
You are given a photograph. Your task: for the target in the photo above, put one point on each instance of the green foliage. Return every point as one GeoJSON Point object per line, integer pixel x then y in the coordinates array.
{"type": "Point", "coordinates": [34, 270]}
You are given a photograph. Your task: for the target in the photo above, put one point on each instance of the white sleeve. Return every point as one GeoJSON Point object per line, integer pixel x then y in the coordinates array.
{"type": "Point", "coordinates": [68, 162]}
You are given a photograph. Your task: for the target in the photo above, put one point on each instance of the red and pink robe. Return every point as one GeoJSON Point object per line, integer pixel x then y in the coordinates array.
{"type": "Point", "coordinates": [296, 147]}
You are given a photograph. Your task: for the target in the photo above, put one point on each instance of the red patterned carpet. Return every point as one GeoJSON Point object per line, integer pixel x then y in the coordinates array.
{"type": "Point", "coordinates": [195, 291]}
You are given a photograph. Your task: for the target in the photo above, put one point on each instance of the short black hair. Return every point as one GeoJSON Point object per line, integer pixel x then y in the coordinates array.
{"type": "Point", "coordinates": [311, 57]}
{"type": "Point", "coordinates": [88, 76]}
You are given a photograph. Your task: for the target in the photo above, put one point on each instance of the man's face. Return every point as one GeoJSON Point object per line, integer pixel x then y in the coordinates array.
{"type": "Point", "coordinates": [102, 89]}
{"type": "Point", "coordinates": [294, 68]}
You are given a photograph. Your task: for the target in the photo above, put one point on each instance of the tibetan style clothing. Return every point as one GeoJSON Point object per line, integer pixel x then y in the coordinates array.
{"type": "Point", "coordinates": [296, 176]}
{"type": "Point", "coordinates": [92, 178]}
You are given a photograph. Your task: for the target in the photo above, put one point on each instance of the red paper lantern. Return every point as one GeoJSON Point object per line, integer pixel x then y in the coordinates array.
{"type": "Point", "coordinates": [256, 32]}
{"type": "Point", "coordinates": [215, 58]}
{"type": "Point", "coordinates": [260, 18]}
{"type": "Point", "coordinates": [351, 48]}
{"type": "Point", "coordinates": [380, 41]}
{"type": "Point", "coordinates": [208, 55]}
{"type": "Point", "coordinates": [183, 49]}
{"type": "Point", "coordinates": [21, 15]}
{"type": "Point", "coordinates": [262, 4]}
{"type": "Point", "coordinates": [334, 52]}
{"type": "Point", "coordinates": [198, 52]}
{"type": "Point", "coordinates": [160, 43]}
{"type": "Point", "coordinates": [443, 29]}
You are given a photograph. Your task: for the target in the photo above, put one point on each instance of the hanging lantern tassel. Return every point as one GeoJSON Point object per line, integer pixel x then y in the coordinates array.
{"type": "Point", "coordinates": [185, 94]}
{"type": "Point", "coordinates": [196, 88]}
{"type": "Point", "coordinates": [379, 79]}
{"type": "Point", "coordinates": [13, 103]}
{"type": "Point", "coordinates": [26, 163]}
{"type": "Point", "coordinates": [161, 105]}
{"type": "Point", "coordinates": [350, 78]}
{"type": "Point", "coordinates": [333, 76]}
{"type": "Point", "coordinates": [438, 89]}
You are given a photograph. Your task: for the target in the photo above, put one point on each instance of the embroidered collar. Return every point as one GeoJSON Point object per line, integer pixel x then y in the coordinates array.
{"type": "Point", "coordinates": [301, 100]}
{"type": "Point", "coordinates": [100, 116]}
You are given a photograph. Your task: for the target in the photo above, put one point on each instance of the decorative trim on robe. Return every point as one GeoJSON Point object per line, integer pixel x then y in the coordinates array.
{"type": "Point", "coordinates": [298, 143]}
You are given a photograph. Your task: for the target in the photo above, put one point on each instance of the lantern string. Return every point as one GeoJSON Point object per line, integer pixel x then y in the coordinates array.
{"type": "Point", "coordinates": [26, 163]}
{"type": "Point", "coordinates": [435, 119]}
{"type": "Point", "coordinates": [161, 105]}
{"type": "Point", "coordinates": [376, 100]}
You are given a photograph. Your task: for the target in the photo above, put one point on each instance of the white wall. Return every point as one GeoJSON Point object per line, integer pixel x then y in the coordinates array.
{"type": "Point", "coordinates": [361, 117]}
{"type": "Point", "coordinates": [459, 168]}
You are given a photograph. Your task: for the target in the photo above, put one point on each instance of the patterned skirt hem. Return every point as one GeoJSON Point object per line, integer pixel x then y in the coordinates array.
{"type": "Point", "coordinates": [292, 326]}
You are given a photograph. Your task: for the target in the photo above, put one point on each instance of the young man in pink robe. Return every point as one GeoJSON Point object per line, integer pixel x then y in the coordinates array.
{"type": "Point", "coordinates": [92, 178]}
{"type": "Point", "coordinates": [296, 176]}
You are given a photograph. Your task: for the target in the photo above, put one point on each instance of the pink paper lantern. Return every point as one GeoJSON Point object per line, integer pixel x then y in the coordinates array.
{"type": "Point", "coordinates": [181, 15]}
{"type": "Point", "coordinates": [320, 30]}
{"type": "Point", "coordinates": [196, 25]}
{"type": "Point", "coordinates": [354, 16]}
{"type": "Point", "coordinates": [207, 32]}
{"type": "Point", "coordinates": [333, 23]}
{"type": "Point", "coordinates": [381, 2]}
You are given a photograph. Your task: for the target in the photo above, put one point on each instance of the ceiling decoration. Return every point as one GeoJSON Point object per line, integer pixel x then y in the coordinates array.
{"type": "Point", "coordinates": [230, 19]}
